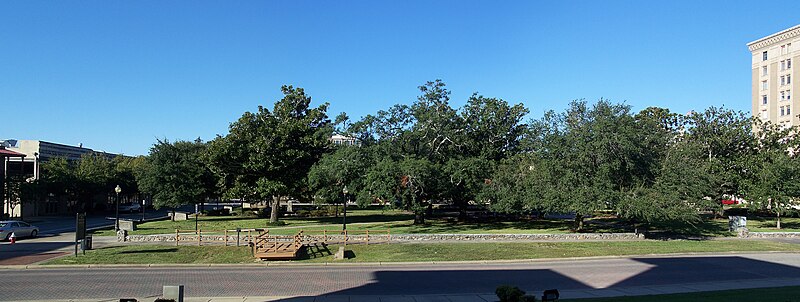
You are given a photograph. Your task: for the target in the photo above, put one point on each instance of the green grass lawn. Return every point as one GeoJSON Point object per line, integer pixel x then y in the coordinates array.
{"type": "Point", "coordinates": [768, 224]}
{"type": "Point", "coordinates": [400, 222]}
{"type": "Point", "coordinates": [775, 294]}
{"type": "Point", "coordinates": [233, 222]}
{"type": "Point", "coordinates": [160, 254]}
{"type": "Point", "coordinates": [536, 250]}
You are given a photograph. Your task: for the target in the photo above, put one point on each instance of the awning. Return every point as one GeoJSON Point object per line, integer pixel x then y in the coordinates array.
{"type": "Point", "coordinates": [9, 153]}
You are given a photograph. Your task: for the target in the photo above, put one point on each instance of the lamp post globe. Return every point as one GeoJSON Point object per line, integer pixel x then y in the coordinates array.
{"type": "Point", "coordinates": [116, 220]}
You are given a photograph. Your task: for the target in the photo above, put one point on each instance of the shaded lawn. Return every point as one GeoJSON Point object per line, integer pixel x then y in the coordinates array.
{"type": "Point", "coordinates": [536, 250]}
{"type": "Point", "coordinates": [768, 224]}
{"type": "Point", "coordinates": [233, 222]}
{"type": "Point", "coordinates": [160, 254]}
{"type": "Point", "coordinates": [778, 294]}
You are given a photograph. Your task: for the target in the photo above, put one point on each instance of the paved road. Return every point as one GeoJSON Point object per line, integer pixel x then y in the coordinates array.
{"type": "Point", "coordinates": [608, 274]}
{"type": "Point", "coordinates": [56, 237]}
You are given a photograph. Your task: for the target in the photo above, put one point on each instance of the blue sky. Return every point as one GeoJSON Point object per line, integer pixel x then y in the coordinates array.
{"type": "Point", "coordinates": [117, 75]}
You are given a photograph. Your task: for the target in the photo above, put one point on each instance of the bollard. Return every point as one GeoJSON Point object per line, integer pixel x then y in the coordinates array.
{"type": "Point", "coordinates": [174, 292]}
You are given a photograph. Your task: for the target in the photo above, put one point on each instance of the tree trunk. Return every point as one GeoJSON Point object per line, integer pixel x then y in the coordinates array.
{"type": "Point", "coordinates": [173, 214]}
{"type": "Point", "coordinates": [462, 213]}
{"type": "Point", "coordinates": [779, 220]}
{"type": "Point", "coordinates": [276, 207]}
{"type": "Point", "coordinates": [419, 217]}
{"type": "Point", "coordinates": [578, 222]}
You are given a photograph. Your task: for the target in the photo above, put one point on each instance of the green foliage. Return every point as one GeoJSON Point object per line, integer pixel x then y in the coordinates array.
{"type": "Point", "coordinates": [95, 174]}
{"type": "Point", "coordinates": [267, 154]}
{"type": "Point", "coordinates": [774, 182]}
{"type": "Point", "coordinates": [175, 174]}
{"type": "Point", "coordinates": [508, 293]}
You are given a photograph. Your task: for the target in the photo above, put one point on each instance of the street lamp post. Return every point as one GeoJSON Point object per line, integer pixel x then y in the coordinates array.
{"type": "Point", "coordinates": [344, 210]}
{"type": "Point", "coordinates": [116, 221]}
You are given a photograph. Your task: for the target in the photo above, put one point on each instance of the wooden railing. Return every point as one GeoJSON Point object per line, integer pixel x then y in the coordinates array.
{"type": "Point", "coordinates": [349, 236]}
{"type": "Point", "coordinates": [261, 238]}
{"type": "Point", "coordinates": [245, 236]}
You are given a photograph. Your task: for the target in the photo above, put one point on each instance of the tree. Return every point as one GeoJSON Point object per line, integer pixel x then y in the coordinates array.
{"type": "Point", "coordinates": [727, 141]}
{"type": "Point", "coordinates": [346, 166]}
{"type": "Point", "coordinates": [587, 158]}
{"type": "Point", "coordinates": [273, 150]}
{"type": "Point", "coordinates": [175, 174]}
{"type": "Point", "coordinates": [775, 180]}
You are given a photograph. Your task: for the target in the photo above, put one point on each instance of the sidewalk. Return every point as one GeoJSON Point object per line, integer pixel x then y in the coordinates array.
{"type": "Point", "coordinates": [491, 297]}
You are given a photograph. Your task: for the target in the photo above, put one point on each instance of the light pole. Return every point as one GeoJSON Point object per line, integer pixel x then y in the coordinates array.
{"type": "Point", "coordinates": [344, 210]}
{"type": "Point", "coordinates": [144, 204]}
{"type": "Point", "coordinates": [116, 221]}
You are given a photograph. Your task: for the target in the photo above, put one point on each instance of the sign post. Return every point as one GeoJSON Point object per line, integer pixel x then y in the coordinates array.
{"type": "Point", "coordinates": [80, 230]}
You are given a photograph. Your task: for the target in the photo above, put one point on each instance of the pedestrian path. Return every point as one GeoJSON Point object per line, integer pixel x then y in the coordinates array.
{"type": "Point", "coordinates": [490, 297]}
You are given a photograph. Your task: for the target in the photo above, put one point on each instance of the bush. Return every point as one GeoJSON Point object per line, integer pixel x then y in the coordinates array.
{"type": "Point", "coordinates": [508, 293]}
{"type": "Point", "coordinates": [277, 223]}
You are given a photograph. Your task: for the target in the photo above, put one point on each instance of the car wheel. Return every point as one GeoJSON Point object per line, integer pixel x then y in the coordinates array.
{"type": "Point", "coordinates": [34, 233]}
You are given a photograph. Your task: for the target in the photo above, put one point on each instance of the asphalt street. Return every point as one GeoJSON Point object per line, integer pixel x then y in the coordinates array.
{"type": "Point", "coordinates": [412, 279]}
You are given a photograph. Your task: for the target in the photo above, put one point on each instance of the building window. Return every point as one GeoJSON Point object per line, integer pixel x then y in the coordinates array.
{"type": "Point", "coordinates": [788, 110]}
{"type": "Point", "coordinates": [763, 70]}
{"type": "Point", "coordinates": [783, 65]}
{"type": "Point", "coordinates": [783, 80]}
{"type": "Point", "coordinates": [788, 79]}
{"type": "Point", "coordinates": [764, 99]}
{"type": "Point", "coordinates": [764, 56]}
{"type": "Point", "coordinates": [783, 112]}
{"type": "Point", "coordinates": [788, 63]}
{"type": "Point", "coordinates": [783, 95]}
{"type": "Point", "coordinates": [764, 85]}
{"type": "Point", "coordinates": [783, 49]}
{"type": "Point", "coordinates": [788, 95]}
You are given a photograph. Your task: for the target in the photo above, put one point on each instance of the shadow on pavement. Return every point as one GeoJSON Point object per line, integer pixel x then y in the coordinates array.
{"type": "Point", "coordinates": [27, 252]}
{"type": "Point", "coordinates": [678, 271]}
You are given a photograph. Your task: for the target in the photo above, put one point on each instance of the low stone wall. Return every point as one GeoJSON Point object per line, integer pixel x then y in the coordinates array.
{"type": "Point", "coordinates": [769, 234]}
{"type": "Point", "coordinates": [408, 237]}
{"type": "Point", "coordinates": [516, 237]}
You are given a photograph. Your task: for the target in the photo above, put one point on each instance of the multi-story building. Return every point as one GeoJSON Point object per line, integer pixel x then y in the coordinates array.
{"type": "Point", "coordinates": [775, 78]}
{"type": "Point", "coordinates": [26, 167]}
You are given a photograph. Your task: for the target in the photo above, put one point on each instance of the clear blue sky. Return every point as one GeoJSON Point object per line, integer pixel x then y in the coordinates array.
{"type": "Point", "coordinates": [116, 75]}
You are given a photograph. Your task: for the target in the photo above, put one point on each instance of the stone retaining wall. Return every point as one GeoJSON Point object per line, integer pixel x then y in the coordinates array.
{"type": "Point", "coordinates": [769, 235]}
{"type": "Point", "coordinates": [407, 237]}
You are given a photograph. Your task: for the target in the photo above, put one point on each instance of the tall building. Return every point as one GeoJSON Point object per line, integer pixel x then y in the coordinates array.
{"type": "Point", "coordinates": [21, 161]}
{"type": "Point", "coordinates": [775, 78]}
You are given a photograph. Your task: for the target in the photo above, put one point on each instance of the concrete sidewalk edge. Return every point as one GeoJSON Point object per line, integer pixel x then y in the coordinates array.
{"type": "Point", "coordinates": [491, 297]}
{"type": "Point", "coordinates": [373, 264]}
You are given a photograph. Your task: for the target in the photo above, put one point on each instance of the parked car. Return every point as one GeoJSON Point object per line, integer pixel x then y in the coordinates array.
{"type": "Point", "coordinates": [19, 228]}
{"type": "Point", "coordinates": [130, 208]}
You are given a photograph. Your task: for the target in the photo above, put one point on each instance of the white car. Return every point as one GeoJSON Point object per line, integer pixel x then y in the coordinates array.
{"type": "Point", "coordinates": [130, 208]}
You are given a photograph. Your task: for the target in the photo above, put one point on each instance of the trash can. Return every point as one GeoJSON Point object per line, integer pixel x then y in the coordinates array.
{"type": "Point", "coordinates": [86, 244]}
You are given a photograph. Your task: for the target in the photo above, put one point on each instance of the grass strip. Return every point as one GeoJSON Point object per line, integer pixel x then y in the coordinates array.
{"type": "Point", "coordinates": [161, 254]}
{"type": "Point", "coordinates": [540, 250]}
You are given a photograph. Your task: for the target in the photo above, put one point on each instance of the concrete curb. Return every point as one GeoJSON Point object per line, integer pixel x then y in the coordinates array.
{"type": "Point", "coordinates": [374, 264]}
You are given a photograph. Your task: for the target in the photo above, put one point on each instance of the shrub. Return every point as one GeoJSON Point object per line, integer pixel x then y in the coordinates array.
{"type": "Point", "coordinates": [277, 223]}
{"type": "Point", "coordinates": [508, 293]}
